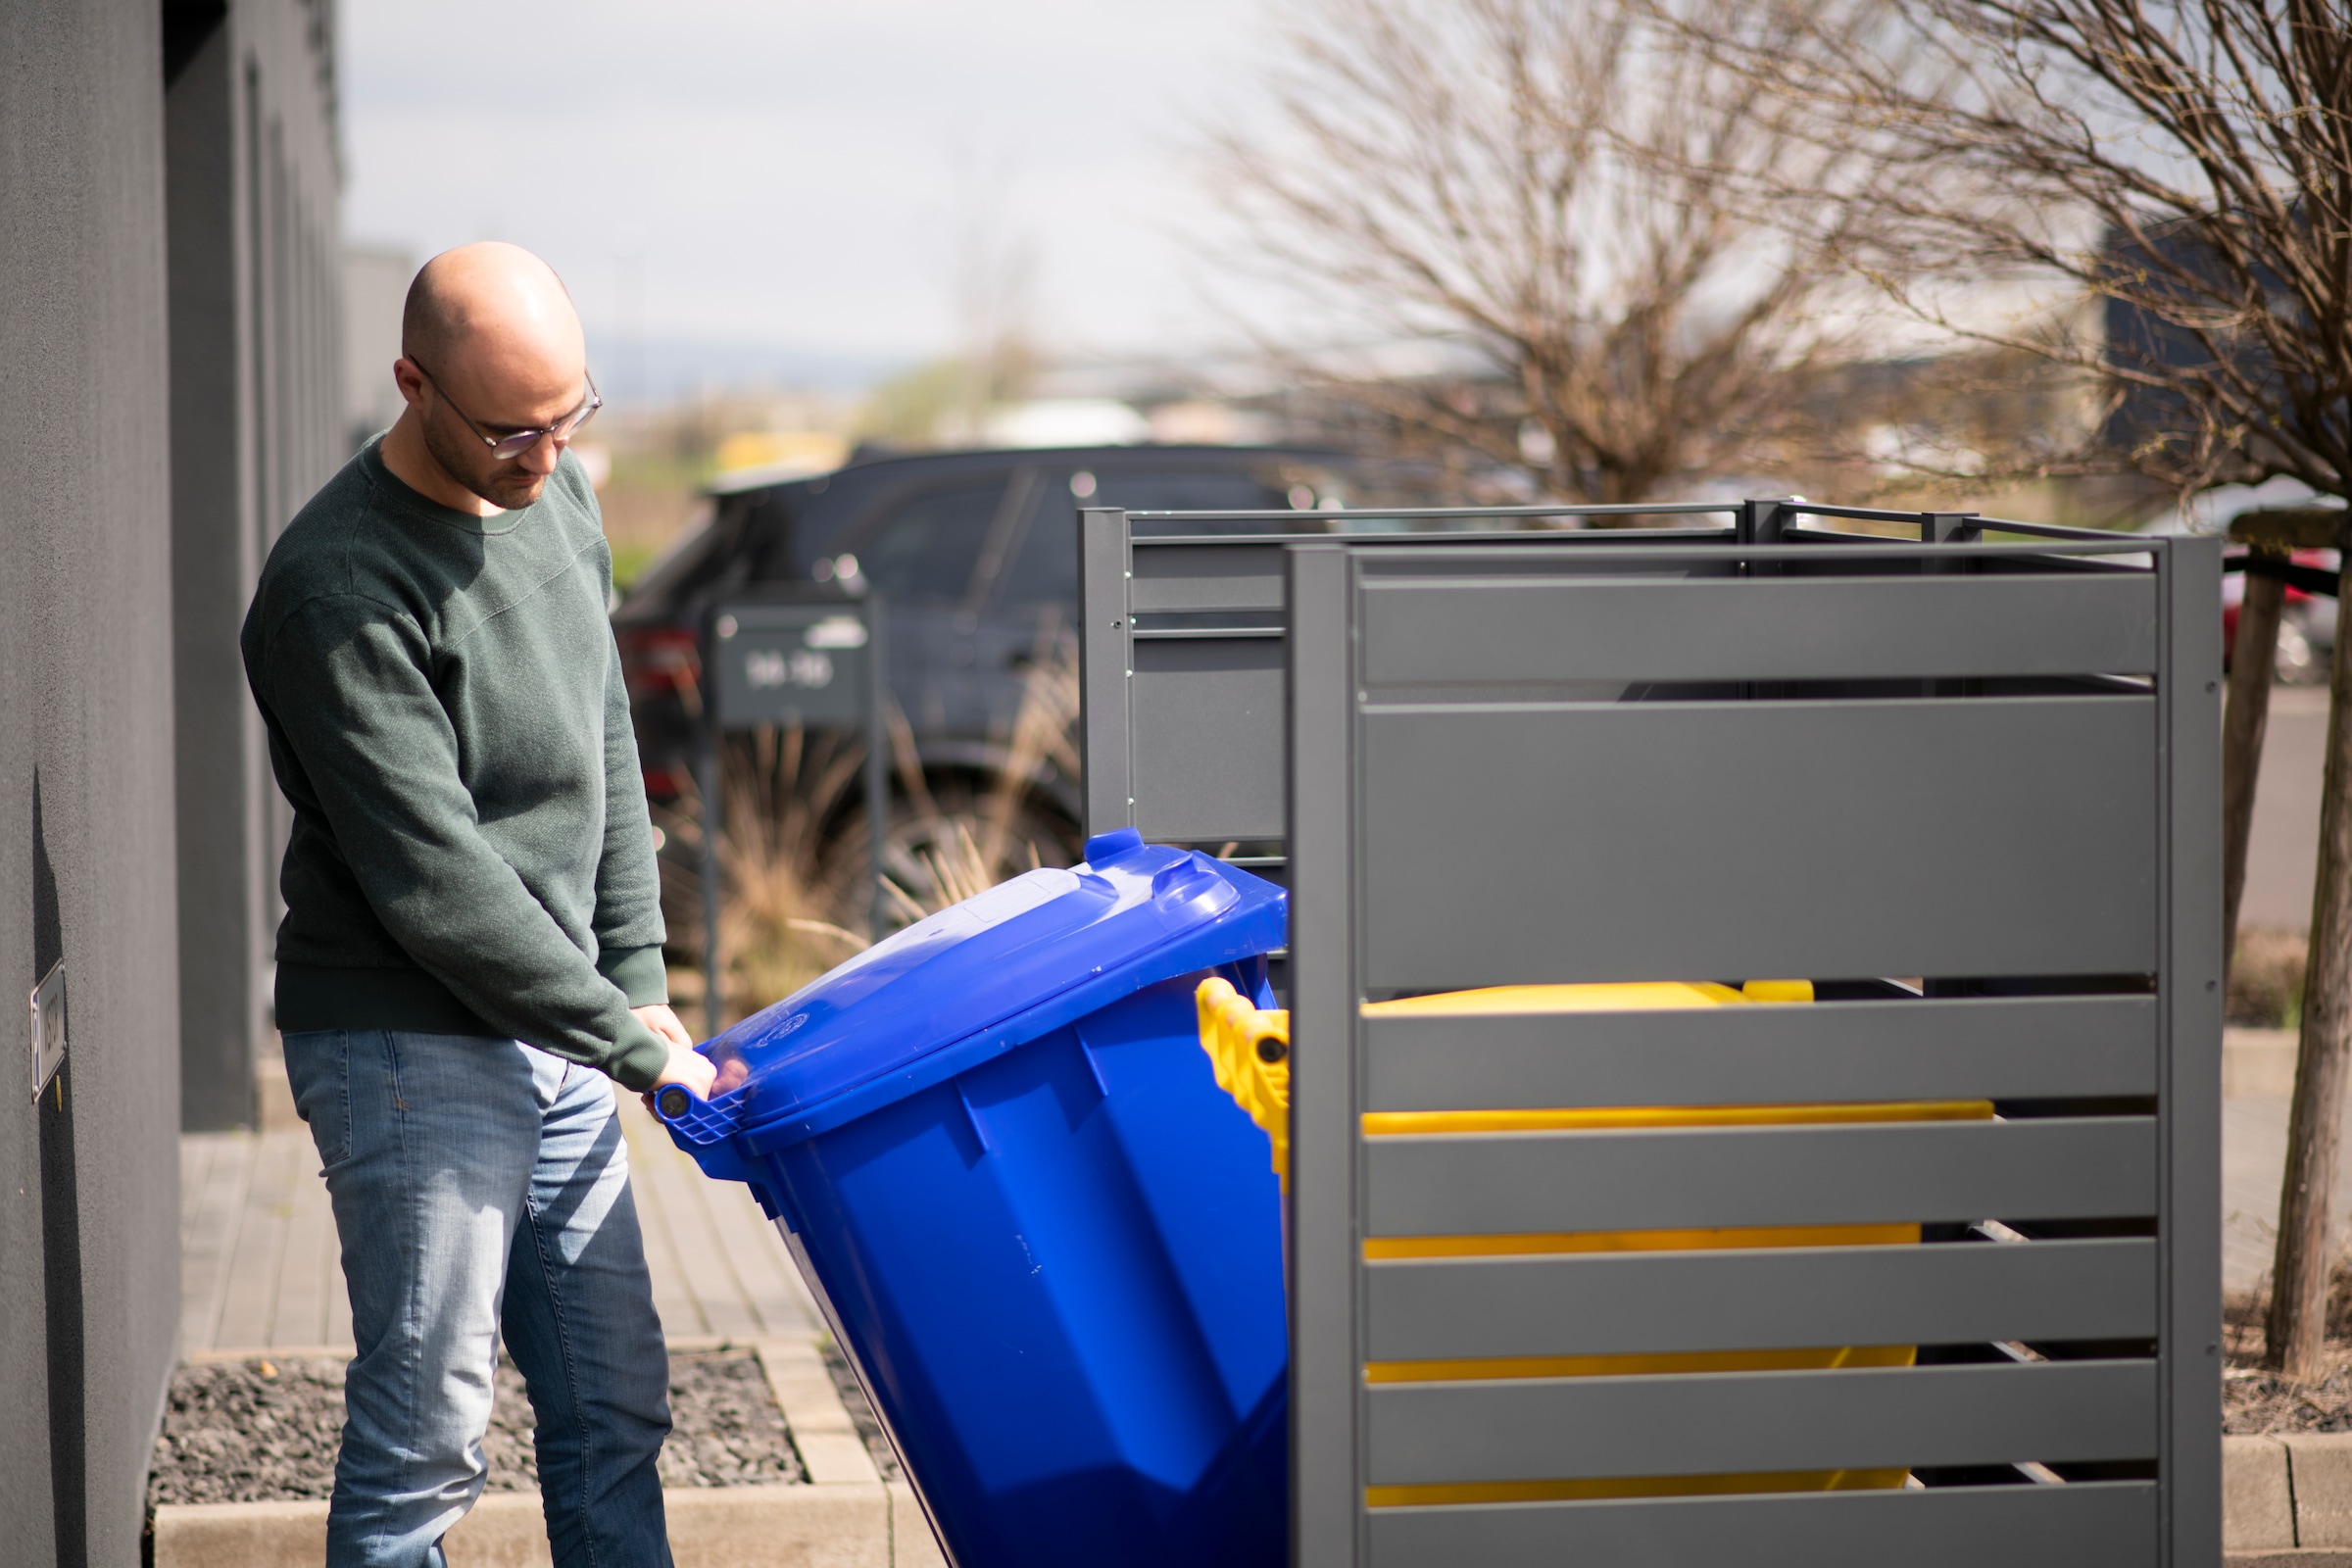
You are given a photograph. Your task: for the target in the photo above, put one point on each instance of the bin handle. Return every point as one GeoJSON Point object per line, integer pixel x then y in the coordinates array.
{"type": "Point", "coordinates": [690, 1117]}
{"type": "Point", "coordinates": [697, 1121]}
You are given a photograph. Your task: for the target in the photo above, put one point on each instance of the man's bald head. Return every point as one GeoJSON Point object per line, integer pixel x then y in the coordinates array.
{"type": "Point", "coordinates": [490, 346]}
{"type": "Point", "coordinates": [487, 296]}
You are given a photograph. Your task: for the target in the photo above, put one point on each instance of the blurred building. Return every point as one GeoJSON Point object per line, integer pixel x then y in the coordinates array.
{"type": "Point", "coordinates": [169, 392]}
{"type": "Point", "coordinates": [375, 286]}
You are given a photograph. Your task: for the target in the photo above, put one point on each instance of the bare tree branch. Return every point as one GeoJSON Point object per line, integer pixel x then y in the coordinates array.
{"type": "Point", "coordinates": [2189, 161]}
{"type": "Point", "coordinates": [1566, 192]}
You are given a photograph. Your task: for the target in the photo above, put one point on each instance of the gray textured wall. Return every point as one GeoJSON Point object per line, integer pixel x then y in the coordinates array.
{"type": "Point", "coordinates": [90, 1188]}
{"type": "Point", "coordinates": [221, 821]}
{"type": "Point", "coordinates": [258, 425]}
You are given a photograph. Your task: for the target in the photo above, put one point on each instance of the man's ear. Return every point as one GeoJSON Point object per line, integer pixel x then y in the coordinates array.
{"type": "Point", "coordinates": [411, 382]}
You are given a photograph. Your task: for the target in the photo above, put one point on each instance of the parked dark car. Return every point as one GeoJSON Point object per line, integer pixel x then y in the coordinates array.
{"type": "Point", "coordinates": [975, 555]}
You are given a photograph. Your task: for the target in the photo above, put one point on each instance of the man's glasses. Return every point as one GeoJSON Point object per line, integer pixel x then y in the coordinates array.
{"type": "Point", "coordinates": [515, 443]}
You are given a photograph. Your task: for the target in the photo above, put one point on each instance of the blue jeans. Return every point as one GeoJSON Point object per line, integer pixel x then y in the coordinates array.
{"type": "Point", "coordinates": [481, 1187]}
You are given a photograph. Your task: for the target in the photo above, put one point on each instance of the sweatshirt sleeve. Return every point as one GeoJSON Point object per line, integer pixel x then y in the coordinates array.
{"type": "Point", "coordinates": [629, 932]}
{"type": "Point", "coordinates": [348, 683]}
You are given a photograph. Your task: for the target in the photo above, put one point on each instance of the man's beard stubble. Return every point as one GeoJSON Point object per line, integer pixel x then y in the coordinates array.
{"type": "Point", "coordinates": [510, 490]}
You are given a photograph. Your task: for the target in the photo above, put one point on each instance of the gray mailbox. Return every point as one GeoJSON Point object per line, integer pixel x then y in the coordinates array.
{"type": "Point", "coordinates": [809, 663]}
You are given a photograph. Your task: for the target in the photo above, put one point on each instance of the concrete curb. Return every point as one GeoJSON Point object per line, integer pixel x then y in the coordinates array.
{"type": "Point", "coordinates": [844, 1517]}
{"type": "Point", "coordinates": [827, 1440]}
{"type": "Point", "coordinates": [2287, 1500]}
{"type": "Point", "coordinates": [841, 1526]}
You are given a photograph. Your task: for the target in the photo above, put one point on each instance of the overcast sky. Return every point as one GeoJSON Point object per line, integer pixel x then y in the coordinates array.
{"type": "Point", "coordinates": [787, 175]}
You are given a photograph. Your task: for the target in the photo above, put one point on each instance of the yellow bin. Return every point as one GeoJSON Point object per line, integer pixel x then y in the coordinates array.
{"type": "Point", "coordinates": [1251, 1051]}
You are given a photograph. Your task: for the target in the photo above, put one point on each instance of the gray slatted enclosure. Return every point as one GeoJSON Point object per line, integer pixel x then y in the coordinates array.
{"type": "Point", "coordinates": [1183, 657]}
{"type": "Point", "coordinates": [1969, 788]}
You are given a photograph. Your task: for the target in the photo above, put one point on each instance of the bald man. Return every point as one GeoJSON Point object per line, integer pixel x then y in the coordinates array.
{"type": "Point", "coordinates": [472, 942]}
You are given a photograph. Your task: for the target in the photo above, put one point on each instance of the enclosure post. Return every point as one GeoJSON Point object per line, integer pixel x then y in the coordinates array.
{"type": "Point", "coordinates": [2252, 656]}
{"type": "Point", "coordinates": [2315, 1127]}
{"type": "Point", "coordinates": [1760, 522]}
{"type": "Point", "coordinates": [1326, 1363]}
{"type": "Point", "coordinates": [2189, 1006]}
{"type": "Point", "coordinates": [1103, 665]}
{"type": "Point", "coordinates": [714, 823]}
{"type": "Point", "coordinates": [877, 766]}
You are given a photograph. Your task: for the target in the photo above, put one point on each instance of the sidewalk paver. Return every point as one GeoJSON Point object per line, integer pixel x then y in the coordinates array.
{"type": "Point", "coordinates": [259, 1270]}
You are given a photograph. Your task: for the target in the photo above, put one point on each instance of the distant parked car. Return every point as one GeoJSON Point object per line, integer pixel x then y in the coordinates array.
{"type": "Point", "coordinates": [2306, 623]}
{"type": "Point", "coordinates": [975, 555]}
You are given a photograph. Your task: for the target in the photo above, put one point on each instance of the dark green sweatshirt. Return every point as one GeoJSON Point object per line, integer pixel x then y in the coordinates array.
{"type": "Point", "coordinates": [470, 853]}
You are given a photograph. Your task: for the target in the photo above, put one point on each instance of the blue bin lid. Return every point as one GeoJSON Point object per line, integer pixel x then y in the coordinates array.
{"type": "Point", "coordinates": [1002, 967]}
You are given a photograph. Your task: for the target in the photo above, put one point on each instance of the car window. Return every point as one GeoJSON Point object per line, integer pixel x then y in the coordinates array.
{"type": "Point", "coordinates": [927, 547]}
{"type": "Point", "coordinates": [1194, 492]}
{"type": "Point", "coordinates": [1186, 492]}
{"type": "Point", "coordinates": [1046, 572]}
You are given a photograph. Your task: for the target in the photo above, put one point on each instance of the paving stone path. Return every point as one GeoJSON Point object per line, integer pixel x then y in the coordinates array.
{"type": "Point", "coordinates": [259, 1269]}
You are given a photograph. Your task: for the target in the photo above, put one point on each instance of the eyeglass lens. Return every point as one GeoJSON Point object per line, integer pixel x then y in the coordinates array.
{"type": "Point", "coordinates": [521, 441]}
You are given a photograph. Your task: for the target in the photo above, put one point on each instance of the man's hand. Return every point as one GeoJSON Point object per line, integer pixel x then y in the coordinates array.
{"type": "Point", "coordinates": [687, 1065]}
{"type": "Point", "coordinates": [663, 1022]}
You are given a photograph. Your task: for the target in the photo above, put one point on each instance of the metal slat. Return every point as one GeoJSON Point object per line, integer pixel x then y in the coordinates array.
{"type": "Point", "coordinates": [1208, 738]}
{"type": "Point", "coordinates": [1630, 1304]}
{"type": "Point", "coordinates": [1735, 1423]}
{"type": "Point", "coordinates": [2109, 1524]}
{"type": "Point", "coordinates": [1632, 547]}
{"type": "Point", "coordinates": [1345, 518]}
{"type": "Point", "coordinates": [1507, 844]}
{"type": "Point", "coordinates": [1192, 578]}
{"type": "Point", "coordinates": [1201, 574]}
{"type": "Point", "coordinates": [1670, 1178]}
{"type": "Point", "coordinates": [1555, 628]}
{"type": "Point", "coordinates": [1963, 1048]}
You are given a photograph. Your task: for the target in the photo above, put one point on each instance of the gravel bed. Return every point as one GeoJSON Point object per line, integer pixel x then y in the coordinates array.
{"type": "Point", "coordinates": [264, 1431]}
{"type": "Point", "coordinates": [861, 1411]}
{"type": "Point", "coordinates": [249, 1432]}
{"type": "Point", "coordinates": [725, 1428]}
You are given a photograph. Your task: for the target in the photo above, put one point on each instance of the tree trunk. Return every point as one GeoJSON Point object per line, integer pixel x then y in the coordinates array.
{"type": "Point", "coordinates": [2299, 1272]}
{"type": "Point", "coordinates": [2252, 658]}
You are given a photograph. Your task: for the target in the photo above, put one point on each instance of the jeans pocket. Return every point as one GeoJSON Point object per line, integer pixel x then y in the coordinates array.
{"type": "Point", "coordinates": [319, 1072]}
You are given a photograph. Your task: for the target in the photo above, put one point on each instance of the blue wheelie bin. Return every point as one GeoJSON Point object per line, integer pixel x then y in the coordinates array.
{"type": "Point", "coordinates": [1047, 1240]}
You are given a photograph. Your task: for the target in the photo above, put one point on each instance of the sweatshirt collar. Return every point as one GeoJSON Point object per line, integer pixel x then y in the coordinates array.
{"type": "Point", "coordinates": [392, 487]}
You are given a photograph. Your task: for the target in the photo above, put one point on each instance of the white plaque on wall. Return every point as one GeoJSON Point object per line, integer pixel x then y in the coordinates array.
{"type": "Point", "coordinates": [48, 1027]}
